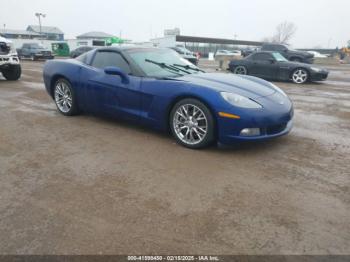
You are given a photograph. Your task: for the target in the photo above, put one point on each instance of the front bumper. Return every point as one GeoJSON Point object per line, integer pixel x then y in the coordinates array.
{"type": "Point", "coordinates": [319, 76]}
{"type": "Point", "coordinates": [43, 56]}
{"type": "Point", "coordinates": [272, 121]}
{"type": "Point", "coordinates": [309, 60]}
{"type": "Point", "coordinates": [9, 60]}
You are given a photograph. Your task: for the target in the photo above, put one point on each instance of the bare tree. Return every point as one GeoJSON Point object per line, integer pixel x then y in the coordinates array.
{"type": "Point", "coordinates": [284, 32]}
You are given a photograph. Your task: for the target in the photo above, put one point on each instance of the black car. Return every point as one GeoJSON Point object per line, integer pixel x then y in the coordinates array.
{"type": "Point", "coordinates": [274, 66]}
{"type": "Point", "coordinates": [290, 54]}
{"type": "Point", "coordinates": [34, 51]}
{"type": "Point", "coordinates": [80, 50]}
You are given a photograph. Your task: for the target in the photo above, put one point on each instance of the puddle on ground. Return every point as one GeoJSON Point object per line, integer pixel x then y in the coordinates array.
{"type": "Point", "coordinates": [328, 130]}
{"type": "Point", "coordinates": [337, 83]}
{"type": "Point", "coordinates": [38, 104]}
{"type": "Point", "coordinates": [321, 100]}
{"type": "Point", "coordinates": [28, 109]}
{"type": "Point", "coordinates": [34, 85]}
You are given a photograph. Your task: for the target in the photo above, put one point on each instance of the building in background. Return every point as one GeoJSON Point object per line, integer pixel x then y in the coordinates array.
{"type": "Point", "coordinates": [18, 34]}
{"type": "Point", "coordinates": [171, 32]}
{"type": "Point", "coordinates": [47, 32]}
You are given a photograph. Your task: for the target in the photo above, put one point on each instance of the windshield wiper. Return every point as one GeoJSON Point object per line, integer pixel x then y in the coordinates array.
{"type": "Point", "coordinates": [171, 67]}
{"type": "Point", "coordinates": [190, 67]}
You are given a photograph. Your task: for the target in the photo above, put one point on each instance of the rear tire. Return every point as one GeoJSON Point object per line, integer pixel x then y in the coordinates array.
{"type": "Point", "coordinates": [240, 70]}
{"type": "Point", "coordinates": [192, 124]}
{"type": "Point", "coordinates": [12, 73]}
{"type": "Point", "coordinates": [64, 98]}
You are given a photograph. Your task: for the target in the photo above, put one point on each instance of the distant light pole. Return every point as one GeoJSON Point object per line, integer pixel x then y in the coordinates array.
{"type": "Point", "coordinates": [39, 15]}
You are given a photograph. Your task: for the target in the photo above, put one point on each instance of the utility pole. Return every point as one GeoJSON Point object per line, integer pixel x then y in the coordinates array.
{"type": "Point", "coordinates": [39, 15]}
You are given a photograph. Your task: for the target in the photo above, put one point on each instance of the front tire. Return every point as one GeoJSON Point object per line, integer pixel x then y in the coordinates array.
{"type": "Point", "coordinates": [300, 76]}
{"type": "Point", "coordinates": [192, 124]}
{"type": "Point", "coordinates": [64, 97]}
{"type": "Point", "coordinates": [12, 73]}
{"type": "Point", "coordinates": [240, 70]}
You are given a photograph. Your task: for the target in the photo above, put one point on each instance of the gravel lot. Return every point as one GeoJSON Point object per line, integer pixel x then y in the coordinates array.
{"type": "Point", "coordinates": [89, 185]}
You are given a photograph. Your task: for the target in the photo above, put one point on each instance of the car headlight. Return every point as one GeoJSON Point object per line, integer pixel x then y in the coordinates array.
{"type": "Point", "coordinates": [239, 101]}
{"type": "Point", "coordinates": [279, 90]}
{"type": "Point", "coordinates": [315, 69]}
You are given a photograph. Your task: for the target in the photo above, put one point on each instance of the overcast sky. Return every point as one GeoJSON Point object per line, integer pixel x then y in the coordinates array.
{"type": "Point", "coordinates": [319, 22]}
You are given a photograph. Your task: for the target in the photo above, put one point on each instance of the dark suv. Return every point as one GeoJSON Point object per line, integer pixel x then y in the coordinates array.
{"type": "Point", "coordinates": [34, 51]}
{"type": "Point", "coordinates": [291, 55]}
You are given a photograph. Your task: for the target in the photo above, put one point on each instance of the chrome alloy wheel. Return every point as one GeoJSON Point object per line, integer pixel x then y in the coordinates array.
{"type": "Point", "coordinates": [190, 124]}
{"type": "Point", "coordinates": [299, 76]}
{"type": "Point", "coordinates": [63, 97]}
{"type": "Point", "coordinates": [240, 70]}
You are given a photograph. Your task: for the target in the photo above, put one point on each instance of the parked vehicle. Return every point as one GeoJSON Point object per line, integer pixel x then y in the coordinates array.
{"type": "Point", "coordinates": [9, 62]}
{"type": "Point", "coordinates": [317, 54]}
{"type": "Point", "coordinates": [158, 88]}
{"type": "Point", "coordinates": [228, 53]}
{"type": "Point", "coordinates": [34, 51]}
{"type": "Point", "coordinates": [274, 66]}
{"type": "Point", "coordinates": [290, 54]}
{"type": "Point", "coordinates": [187, 54]}
{"type": "Point", "coordinates": [60, 49]}
{"type": "Point", "coordinates": [248, 51]}
{"type": "Point", "coordinates": [80, 50]}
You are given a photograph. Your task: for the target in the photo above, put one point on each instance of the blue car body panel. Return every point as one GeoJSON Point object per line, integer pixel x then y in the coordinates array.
{"type": "Point", "coordinates": [148, 100]}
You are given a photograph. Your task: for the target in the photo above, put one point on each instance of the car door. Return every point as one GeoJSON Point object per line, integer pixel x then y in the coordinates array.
{"type": "Point", "coordinates": [264, 66]}
{"type": "Point", "coordinates": [108, 94]}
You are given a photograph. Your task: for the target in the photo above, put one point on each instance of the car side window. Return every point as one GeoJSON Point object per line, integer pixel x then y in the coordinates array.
{"type": "Point", "coordinates": [262, 57]}
{"type": "Point", "coordinates": [103, 59]}
{"type": "Point", "coordinates": [268, 47]}
{"type": "Point", "coordinates": [279, 47]}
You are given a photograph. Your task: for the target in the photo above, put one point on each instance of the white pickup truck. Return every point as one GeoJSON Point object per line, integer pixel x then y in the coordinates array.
{"type": "Point", "coordinates": [9, 62]}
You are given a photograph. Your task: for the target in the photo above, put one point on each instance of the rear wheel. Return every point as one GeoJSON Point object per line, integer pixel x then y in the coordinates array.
{"type": "Point", "coordinates": [65, 98]}
{"type": "Point", "coordinates": [192, 123]}
{"type": "Point", "coordinates": [240, 70]}
{"type": "Point", "coordinates": [12, 73]}
{"type": "Point", "coordinates": [300, 76]}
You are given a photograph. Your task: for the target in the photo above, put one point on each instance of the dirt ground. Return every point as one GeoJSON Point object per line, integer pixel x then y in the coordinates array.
{"type": "Point", "coordinates": [89, 185]}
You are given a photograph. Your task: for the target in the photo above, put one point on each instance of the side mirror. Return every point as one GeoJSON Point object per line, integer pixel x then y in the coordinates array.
{"type": "Point", "coordinates": [113, 70]}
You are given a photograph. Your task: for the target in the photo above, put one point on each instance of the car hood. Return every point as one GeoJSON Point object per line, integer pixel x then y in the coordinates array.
{"type": "Point", "coordinates": [248, 86]}
{"type": "Point", "coordinates": [290, 64]}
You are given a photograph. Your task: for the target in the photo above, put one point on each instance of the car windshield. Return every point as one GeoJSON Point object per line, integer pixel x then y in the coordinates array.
{"type": "Point", "coordinates": [279, 57]}
{"type": "Point", "coordinates": [37, 46]}
{"type": "Point", "coordinates": [162, 62]}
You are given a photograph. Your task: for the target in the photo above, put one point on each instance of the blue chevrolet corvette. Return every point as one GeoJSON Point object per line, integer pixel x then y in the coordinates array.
{"type": "Point", "coordinates": [158, 88]}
